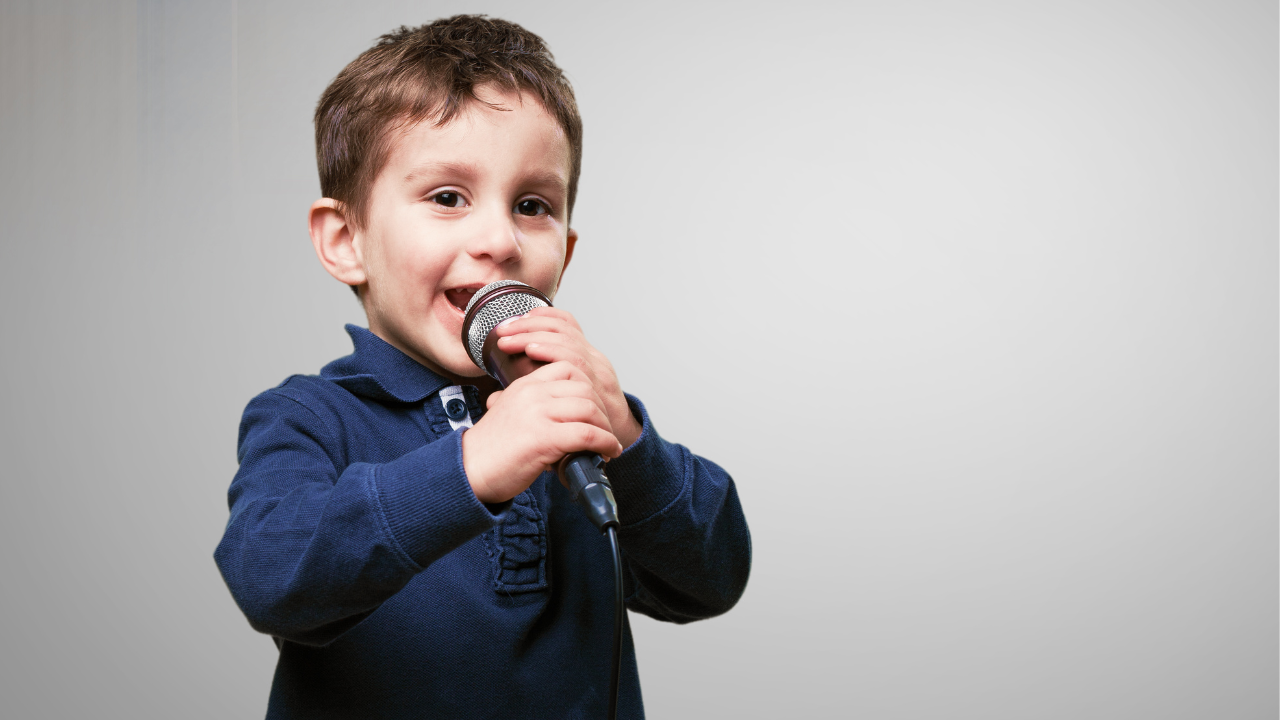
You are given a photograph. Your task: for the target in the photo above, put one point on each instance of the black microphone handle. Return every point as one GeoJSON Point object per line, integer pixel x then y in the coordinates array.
{"type": "Point", "coordinates": [583, 472]}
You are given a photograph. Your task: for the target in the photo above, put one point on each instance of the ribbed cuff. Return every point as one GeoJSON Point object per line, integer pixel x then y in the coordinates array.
{"type": "Point", "coordinates": [648, 475]}
{"type": "Point", "coordinates": [427, 501]}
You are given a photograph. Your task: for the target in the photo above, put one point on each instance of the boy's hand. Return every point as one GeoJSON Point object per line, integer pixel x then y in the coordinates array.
{"type": "Point", "coordinates": [552, 335]}
{"type": "Point", "coordinates": [540, 418]}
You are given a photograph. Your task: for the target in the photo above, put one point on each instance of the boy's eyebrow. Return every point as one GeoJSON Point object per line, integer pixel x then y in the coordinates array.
{"type": "Point", "coordinates": [445, 168]}
{"type": "Point", "coordinates": [469, 170]}
{"type": "Point", "coordinates": [553, 179]}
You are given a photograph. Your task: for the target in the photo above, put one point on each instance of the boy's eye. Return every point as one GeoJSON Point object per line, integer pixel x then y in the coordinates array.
{"type": "Point", "coordinates": [447, 199]}
{"type": "Point", "coordinates": [532, 207]}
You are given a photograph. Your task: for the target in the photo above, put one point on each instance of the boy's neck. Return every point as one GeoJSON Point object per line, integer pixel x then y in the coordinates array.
{"type": "Point", "coordinates": [485, 384]}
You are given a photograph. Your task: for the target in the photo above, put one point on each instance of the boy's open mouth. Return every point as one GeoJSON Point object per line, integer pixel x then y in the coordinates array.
{"type": "Point", "coordinates": [459, 297]}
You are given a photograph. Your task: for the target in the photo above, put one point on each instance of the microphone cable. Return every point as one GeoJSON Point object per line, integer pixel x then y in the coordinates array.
{"type": "Point", "coordinates": [581, 473]}
{"type": "Point", "coordinates": [619, 614]}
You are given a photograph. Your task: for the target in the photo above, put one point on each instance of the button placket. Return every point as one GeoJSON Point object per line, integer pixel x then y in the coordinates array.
{"type": "Point", "coordinates": [455, 407]}
{"type": "Point", "coordinates": [517, 548]}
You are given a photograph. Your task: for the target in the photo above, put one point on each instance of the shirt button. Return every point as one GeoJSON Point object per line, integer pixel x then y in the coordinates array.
{"type": "Point", "coordinates": [455, 409]}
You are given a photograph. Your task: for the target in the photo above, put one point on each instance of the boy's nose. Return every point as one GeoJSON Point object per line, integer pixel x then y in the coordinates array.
{"type": "Point", "coordinates": [495, 238]}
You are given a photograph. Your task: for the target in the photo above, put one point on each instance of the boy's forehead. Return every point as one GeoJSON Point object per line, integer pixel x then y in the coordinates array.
{"type": "Point", "coordinates": [503, 130]}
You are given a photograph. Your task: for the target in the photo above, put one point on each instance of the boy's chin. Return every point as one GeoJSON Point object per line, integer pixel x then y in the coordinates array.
{"type": "Point", "coordinates": [469, 371]}
{"type": "Point", "coordinates": [459, 367]}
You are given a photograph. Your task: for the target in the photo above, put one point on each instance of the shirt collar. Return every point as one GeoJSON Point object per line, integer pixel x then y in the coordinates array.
{"type": "Point", "coordinates": [378, 370]}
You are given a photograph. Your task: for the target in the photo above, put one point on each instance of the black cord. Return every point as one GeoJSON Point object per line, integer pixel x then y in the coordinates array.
{"type": "Point", "coordinates": [619, 614]}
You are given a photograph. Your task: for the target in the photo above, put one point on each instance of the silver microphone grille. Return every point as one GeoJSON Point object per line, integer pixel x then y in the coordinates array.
{"type": "Point", "coordinates": [492, 312]}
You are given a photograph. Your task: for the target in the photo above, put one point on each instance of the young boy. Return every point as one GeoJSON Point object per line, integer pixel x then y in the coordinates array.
{"type": "Point", "coordinates": [407, 547]}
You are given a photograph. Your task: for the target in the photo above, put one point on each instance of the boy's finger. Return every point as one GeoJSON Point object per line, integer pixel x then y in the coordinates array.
{"type": "Point", "coordinates": [579, 410]}
{"type": "Point", "coordinates": [550, 352]}
{"type": "Point", "coordinates": [516, 329]}
{"type": "Point", "coordinates": [557, 371]}
{"type": "Point", "coordinates": [558, 322]}
{"type": "Point", "coordinates": [520, 343]}
{"type": "Point", "coordinates": [574, 437]}
{"type": "Point", "coordinates": [507, 342]}
{"type": "Point", "coordinates": [552, 312]}
{"type": "Point", "coordinates": [572, 389]}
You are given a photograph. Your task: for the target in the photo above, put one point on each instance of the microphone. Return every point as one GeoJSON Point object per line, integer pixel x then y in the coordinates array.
{"type": "Point", "coordinates": [492, 305]}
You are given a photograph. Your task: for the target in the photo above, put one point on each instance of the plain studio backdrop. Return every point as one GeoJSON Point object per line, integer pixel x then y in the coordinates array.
{"type": "Point", "coordinates": [976, 301]}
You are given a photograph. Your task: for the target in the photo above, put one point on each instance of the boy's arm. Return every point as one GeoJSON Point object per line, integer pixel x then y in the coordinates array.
{"type": "Point", "coordinates": [310, 552]}
{"type": "Point", "coordinates": [682, 532]}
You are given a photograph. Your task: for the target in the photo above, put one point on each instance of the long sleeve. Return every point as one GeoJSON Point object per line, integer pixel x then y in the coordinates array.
{"type": "Point", "coordinates": [682, 533]}
{"type": "Point", "coordinates": [355, 539]}
{"type": "Point", "coordinates": [310, 550]}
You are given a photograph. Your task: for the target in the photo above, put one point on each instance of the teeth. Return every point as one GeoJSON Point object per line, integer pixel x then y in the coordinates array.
{"type": "Point", "coordinates": [461, 297]}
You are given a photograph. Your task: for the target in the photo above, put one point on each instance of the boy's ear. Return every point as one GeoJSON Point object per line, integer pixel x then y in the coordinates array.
{"type": "Point", "coordinates": [569, 244]}
{"type": "Point", "coordinates": [335, 241]}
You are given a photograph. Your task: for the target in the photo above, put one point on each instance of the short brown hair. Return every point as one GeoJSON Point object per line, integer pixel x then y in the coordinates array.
{"type": "Point", "coordinates": [430, 72]}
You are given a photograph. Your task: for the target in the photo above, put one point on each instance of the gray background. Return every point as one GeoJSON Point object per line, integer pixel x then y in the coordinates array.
{"type": "Point", "coordinates": [977, 301]}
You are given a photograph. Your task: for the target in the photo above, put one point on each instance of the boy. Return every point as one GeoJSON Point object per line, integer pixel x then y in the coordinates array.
{"type": "Point", "coordinates": [406, 547]}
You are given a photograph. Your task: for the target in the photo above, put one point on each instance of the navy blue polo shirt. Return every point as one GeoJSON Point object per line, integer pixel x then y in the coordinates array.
{"type": "Point", "coordinates": [356, 541]}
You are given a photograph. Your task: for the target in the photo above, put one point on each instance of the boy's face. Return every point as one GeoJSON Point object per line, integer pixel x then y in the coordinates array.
{"type": "Point", "coordinates": [457, 207]}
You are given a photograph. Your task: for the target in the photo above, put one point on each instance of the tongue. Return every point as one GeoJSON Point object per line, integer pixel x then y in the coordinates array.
{"type": "Point", "coordinates": [459, 298]}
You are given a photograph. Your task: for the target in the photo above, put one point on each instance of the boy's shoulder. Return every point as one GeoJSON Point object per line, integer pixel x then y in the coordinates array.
{"type": "Point", "coordinates": [374, 371]}
{"type": "Point", "coordinates": [313, 393]}
{"type": "Point", "coordinates": [301, 405]}
{"type": "Point", "coordinates": [367, 391]}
